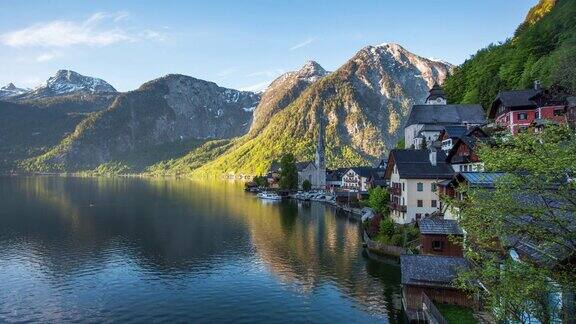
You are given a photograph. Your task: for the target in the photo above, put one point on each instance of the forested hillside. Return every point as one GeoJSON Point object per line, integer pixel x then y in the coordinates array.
{"type": "Point", "coordinates": [543, 48]}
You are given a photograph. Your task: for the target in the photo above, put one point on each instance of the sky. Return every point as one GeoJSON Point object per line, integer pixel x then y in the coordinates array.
{"type": "Point", "coordinates": [239, 44]}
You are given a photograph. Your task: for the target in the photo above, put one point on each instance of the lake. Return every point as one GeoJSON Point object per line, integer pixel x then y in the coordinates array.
{"type": "Point", "coordinates": [174, 250]}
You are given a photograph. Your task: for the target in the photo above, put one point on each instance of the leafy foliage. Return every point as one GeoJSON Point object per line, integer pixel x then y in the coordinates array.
{"type": "Point", "coordinates": [534, 202]}
{"type": "Point", "coordinates": [544, 48]}
{"type": "Point", "coordinates": [306, 185]}
{"type": "Point", "coordinates": [378, 200]}
{"type": "Point", "coordinates": [289, 173]}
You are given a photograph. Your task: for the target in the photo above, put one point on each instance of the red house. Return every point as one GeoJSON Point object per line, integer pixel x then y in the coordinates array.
{"type": "Point", "coordinates": [519, 109]}
{"type": "Point", "coordinates": [435, 236]}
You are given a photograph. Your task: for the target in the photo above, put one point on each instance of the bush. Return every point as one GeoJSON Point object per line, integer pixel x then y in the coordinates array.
{"type": "Point", "coordinates": [378, 200]}
{"type": "Point", "coordinates": [306, 185]}
{"type": "Point", "coordinates": [387, 227]}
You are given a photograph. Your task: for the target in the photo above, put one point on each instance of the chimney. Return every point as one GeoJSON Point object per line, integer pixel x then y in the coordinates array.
{"type": "Point", "coordinates": [432, 155]}
{"type": "Point", "coordinates": [537, 85]}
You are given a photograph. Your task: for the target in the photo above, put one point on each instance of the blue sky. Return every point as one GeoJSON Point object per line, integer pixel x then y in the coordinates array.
{"type": "Point", "coordinates": [238, 44]}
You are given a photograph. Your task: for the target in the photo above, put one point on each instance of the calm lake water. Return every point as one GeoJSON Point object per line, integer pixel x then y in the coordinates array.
{"type": "Point", "coordinates": [140, 250]}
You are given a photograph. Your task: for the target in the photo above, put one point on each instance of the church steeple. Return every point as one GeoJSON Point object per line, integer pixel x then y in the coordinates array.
{"type": "Point", "coordinates": [437, 96]}
{"type": "Point", "coordinates": [320, 158]}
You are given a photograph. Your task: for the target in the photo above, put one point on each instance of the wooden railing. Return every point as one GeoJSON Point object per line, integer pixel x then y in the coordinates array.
{"type": "Point", "coordinates": [432, 313]}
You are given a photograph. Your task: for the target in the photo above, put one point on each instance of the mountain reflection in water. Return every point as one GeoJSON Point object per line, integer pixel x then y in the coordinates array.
{"type": "Point", "coordinates": [164, 250]}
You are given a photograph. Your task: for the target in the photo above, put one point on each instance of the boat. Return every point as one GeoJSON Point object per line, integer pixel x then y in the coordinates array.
{"type": "Point", "coordinates": [269, 196]}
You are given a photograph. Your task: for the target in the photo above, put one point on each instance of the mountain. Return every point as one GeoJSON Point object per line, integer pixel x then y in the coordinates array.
{"type": "Point", "coordinates": [164, 117]}
{"type": "Point", "coordinates": [11, 90]}
{"type": "Point", "coordinates": [365, 101]}
{"type": "Point", "coordinates": [283, 91]}
{"type": "Point", "coordinates": [543, 48]}
{"type": "Point", "coordinates": [66, 82]}
{"type": "Point", "coordinates": [27, 131]}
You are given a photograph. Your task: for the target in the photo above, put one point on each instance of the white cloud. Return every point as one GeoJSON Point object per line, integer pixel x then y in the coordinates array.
{"type": "Point", "coordinates": [98, 30]}
{"type": "Point", "coordinates": [257, 87]}
{"type": "Point", "coordinates": [46, 56]}
{"type": "Point", "coordinates": [226, 72]}
{"type": "Point", "coordinates": [303, 44]}
{"type": "Point", "coordinates": [267, 73]}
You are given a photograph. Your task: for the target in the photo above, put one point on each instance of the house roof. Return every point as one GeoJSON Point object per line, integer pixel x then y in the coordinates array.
{"type": "Point", "coordinates": [415, 164]}
{"type": "Point", "coordinates": [481, 179]}
{"type": "Point", "coordinates": [514, 99]}
{"type": "Point", "coordinates": [335, 175]}
{"type": "Point", "coordinates": [365, 172]}
{"type": "Point", "coordinates": [559, 223]}
{"type": "Point", "coordinates": [303, 165]}
{"type": "Point", "coordinates": [430, 270]}
{"type": "Point", "coordinates": [455, 131]}
{"type": "Point", "coordinates": [434, 225]}
{"type": "Point", "coordinates": [446, 114]}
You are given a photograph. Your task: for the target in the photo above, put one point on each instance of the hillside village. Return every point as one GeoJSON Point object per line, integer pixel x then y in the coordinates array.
{"type": "Point", "coordinates": [424, 182]}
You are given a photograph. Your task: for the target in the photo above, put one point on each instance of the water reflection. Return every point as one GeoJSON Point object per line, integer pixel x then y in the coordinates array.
{"type": "Point", "coordinates": [161, 250]}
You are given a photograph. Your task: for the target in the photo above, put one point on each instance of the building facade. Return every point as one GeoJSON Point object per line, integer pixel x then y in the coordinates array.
{"type": "Point", "coordinates": [413, 176]}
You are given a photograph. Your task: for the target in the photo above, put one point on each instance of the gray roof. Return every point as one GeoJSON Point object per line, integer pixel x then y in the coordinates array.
{"type": "Point", "coordinates": [365, 172]}
{"type": "Point", "coordinates": [446, 114]}
{"type": "Point", "coordinates": [430, 270]}
{"type": "Point", "coordinates": [438, 226]}
{"type": "Point", "coordinates": [481, 179]}
{"type": "Point", "coordinates": [303, 165]}
{"type": "Point", "coordinates": [517, 98]}
{"type": "Point", "coordinates": [513, 99]}
{"type": "Point", "coordinates": [415, 164]}
{"type": "Point", "coordinates": [455, 131]}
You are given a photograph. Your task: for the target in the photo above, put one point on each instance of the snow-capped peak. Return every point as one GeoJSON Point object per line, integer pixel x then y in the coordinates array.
{"type": "Point", "coordinates": [311, 71]}
{"type": "Point", "coordinates": [10, 90]}
{"type": "Point", "coordinates": [66, 81]}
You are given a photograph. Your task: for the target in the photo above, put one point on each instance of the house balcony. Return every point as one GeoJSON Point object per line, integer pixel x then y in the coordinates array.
{"type": "Point", "coordinates": [398, 207]}
{"type": "Point", "coordinates": [395, 191]}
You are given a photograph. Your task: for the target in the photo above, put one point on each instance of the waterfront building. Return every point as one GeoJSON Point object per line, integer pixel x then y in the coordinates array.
{"type": "Point", "coordinates": [413, 176]}
{"type": "Point", "coordinates": [435, 236]}
{"type": "Point", "coordinates": [357, 179]}
{"type": "Point", "coordinates": [429, 279]}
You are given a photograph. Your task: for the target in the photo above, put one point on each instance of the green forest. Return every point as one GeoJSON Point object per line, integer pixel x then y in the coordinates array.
{"type": "Point", "coordinates": [543, 48]}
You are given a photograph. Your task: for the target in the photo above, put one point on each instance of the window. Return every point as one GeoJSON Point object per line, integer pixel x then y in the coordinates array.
{"type": "Point", "coordinates": [418, 216]}
{"type": "Point", "coordinates": [522, 116]}
{"type": "Point", "coordinates": [420, 203]}
{"type": "Point", "coordinates": [437, 245]}
{"type": "Point", "coordinates": [402, 201]}
{"type": "Point", "coordinates": [420, 186]}
{"type": "Point", "coordinates": [433, 187]}
{"type": "Point", "coordinates": [433, 203]}
{"type": "Point", "coordinates": [403, 186]}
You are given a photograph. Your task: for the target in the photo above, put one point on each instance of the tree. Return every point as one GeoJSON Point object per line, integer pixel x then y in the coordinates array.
{"type": "Point", "coordinates": [288, 173]}
{"type": "Point", "coordinates": [401, 143]}
{"type": "Point", "coordinates": [306, 185]}
{"type": "Point", "coordinates": [532, 202]}
{"type": "Point", "coordinates": [423, 144]}
{"type": "Point", "coordinates": [378, 200]}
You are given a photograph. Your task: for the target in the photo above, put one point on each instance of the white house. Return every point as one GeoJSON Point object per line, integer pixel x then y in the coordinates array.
{"type": "Point", "coordinates": [413, 176]}
{"type": "Point", "coordinates": [357, 179]}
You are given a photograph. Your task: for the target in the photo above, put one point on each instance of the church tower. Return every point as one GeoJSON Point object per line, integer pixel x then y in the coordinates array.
{"type": "Point", "coordinates": [320, 157]}
{"type": "Point", "coordinates": [437, 96]}
{"type": "Point", "coordinates": [320, 161]}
